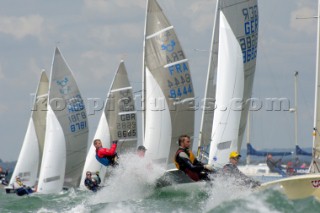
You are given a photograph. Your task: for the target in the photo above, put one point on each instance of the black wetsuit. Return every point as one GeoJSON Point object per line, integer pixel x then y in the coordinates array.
{"type": "Point", "coordinates": [3, 179]}
{"type": "Point", "coordinates": [92, 184]}
{"type": "Point", "coordinates": [195, 170]}
{"type": "Point", "coordinates": [233, 171]}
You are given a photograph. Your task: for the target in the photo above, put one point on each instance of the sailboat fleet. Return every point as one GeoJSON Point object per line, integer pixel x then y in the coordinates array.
{"type": "Point", "coordinates": [57, 133]}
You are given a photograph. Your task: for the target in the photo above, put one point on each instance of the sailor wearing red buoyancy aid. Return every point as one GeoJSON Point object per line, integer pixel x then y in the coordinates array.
{"type": "Point", "coordinates": [186, 161]}
{"type": "Point", "coordinates": [104, 155]}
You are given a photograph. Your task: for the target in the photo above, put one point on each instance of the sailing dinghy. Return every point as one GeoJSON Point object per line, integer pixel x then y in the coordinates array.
{"type": "Point", "coordinates": [308, 185]}
{"type": "Point", "coordinates": [66, 135]}
{"type": "Point", "coordinates": [230, 80]}
{"type": "Point", "coordinates": [28, 165]}
{"type": "Point", "coordinates": [167, 88]}
{"type": "Point", "coordinates": [117, 122]}
{"type": "Point", "coordinates": [261, 171]}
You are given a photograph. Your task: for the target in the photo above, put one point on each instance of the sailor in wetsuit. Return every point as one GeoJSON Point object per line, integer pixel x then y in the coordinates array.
{"type": "Point", "coordinates": [20, 188]}
{"type": "Point", "coordinates": [92, 183]}
{"type": "Point", "coordinates": [186, 161]}
{"type": "Point", "coordinates": [3, 176]}
{"type": "Point", "coordinates": [231, 170]}
{"type": "Point", "coordinates": [106, 156]}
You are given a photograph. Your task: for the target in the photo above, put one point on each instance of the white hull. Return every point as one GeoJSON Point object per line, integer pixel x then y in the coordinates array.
{"type": "Point", "coordinates": [298, 187]}
{"type": "Point", "coordinates": [260, 172]}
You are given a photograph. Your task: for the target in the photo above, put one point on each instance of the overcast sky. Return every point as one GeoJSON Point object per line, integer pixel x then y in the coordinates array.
{"type": "Point", "coordinates": [94, 35]}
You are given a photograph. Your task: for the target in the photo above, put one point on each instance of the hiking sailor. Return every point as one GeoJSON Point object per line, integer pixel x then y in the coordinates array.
{"type": "Point", "coordinates": [231, 170]}
{"type": "Point", "coordinates": [106, 156]}
{"type": "Point", "coordinates": [186, 161]}
{"type": "Point", "coordinates": [20, 188]}
{"type": "Point", "coordinates": [275, 165]}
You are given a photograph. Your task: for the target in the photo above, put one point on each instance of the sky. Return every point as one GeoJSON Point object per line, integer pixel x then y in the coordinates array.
{"type": "Point", "coordinates": [94, 35]}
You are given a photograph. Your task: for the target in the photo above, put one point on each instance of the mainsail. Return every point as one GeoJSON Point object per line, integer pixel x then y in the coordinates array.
{"type": "Point", "coordinates": [300, 151]}
{"type": "Point", "coordinates": [66, 136]}
{"type": "Point", "coordinates": [234, 47]}
{"type": "Point", "coordinates": [117, 122]}
{"type": "Point", "coordinates": [167, 88]}
{"type": "Point", "coordinates": [30, 156]}
{"type": "Point", "coordinates": [252, 151]}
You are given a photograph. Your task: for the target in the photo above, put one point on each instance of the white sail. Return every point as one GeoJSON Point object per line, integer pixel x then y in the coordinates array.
{"type": "Point", "coordinates": [117, 122]}
{"type": "Point", "coordinates": [29, 160]}
{"type": "Point", "coordinates": [167, 86]}
{"type": "Point", "coordinates": [210, 93]}
{"type": "Point", "coordinates": [67, 131]}
{"type": "Point", "coordinates": [235, 44]}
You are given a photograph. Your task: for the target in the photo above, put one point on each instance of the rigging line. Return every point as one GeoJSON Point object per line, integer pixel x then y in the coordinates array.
{"type": "Point", "coordinates": [231, 5]}
{"type": "Point", "coordinates": [305, 101]}
{"type": "Point", "coordinates": [274, 82]}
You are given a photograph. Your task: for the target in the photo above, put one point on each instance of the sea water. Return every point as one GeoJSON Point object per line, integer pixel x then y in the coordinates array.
{"type": "Point", "coordinates": [131, 188]}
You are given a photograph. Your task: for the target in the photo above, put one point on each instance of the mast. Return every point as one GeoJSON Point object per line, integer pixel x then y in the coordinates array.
{"type": "Point", "coordinates": [248, 158]}
{"type": "Point", "coordinates": [296, 107]}
{"type": "Point", "coordinates": [314, 167]}
{"type": "Point", "coordinates": [143, 94]}
{"type": "Point", "coordinates": [210, 89]}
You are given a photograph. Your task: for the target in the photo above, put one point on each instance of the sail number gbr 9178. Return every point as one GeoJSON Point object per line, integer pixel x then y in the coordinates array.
{"type": "Point", "coordinates": [249, 42]}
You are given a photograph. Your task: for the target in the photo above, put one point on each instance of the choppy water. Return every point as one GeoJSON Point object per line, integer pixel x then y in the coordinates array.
{"type": "Point", "coordinates": [130, 189]}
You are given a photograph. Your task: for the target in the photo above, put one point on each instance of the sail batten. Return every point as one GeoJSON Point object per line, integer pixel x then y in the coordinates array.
{"type": "Point", "coordinates": [159, 32]}
{"type": "Point", "coordinates": [175, 63]}
{"type": "Point", "coordinates": [125, 113]}
{"type": "Point", "coordinates": [120, 89]}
